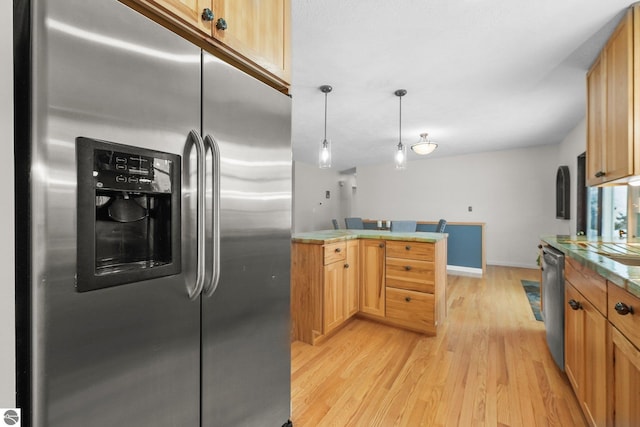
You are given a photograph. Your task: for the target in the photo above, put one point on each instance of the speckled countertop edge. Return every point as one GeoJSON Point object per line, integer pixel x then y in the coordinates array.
{"type": "Point", "coordinates": [332, 236]}
{"type": "Point", "coordinates": [589, 252]}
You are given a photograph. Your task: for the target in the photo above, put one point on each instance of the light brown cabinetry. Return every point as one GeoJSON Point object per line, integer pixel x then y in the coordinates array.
{"type": "Point", "coordinates": [624, 353]}
{"type": "Point", "coordinates": [258, 30]}
{"type": "Point", "coordinates": [610, 114]}
{"type": "Point", "coordinates": [333, 306]}
{"type": "Point", "coordinates": [372, 274]}
{"type": "Point", "coordinates": [585, 339]}
{"type": "Point", "coordinates": [324, 288]}
{"type": "Point", "coordinates": [602, 334]}
{"type": "Point", "coordinates": [585, 355]}
{"type": "Point", "coordinates": [249, 34]}
{"type": "Point", "coordinates": [411, 283]}
{"type": "Point", "coordinates": [394, 282]}
{"type": "Point", "coordinates": [352, 278]}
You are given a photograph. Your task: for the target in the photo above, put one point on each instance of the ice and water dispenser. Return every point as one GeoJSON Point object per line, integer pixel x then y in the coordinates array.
{"type": "Point", "coordinates": [128, 214]}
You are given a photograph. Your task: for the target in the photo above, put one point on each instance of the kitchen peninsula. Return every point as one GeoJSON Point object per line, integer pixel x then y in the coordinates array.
{"type": "Point", "coordinates": [393, 278]}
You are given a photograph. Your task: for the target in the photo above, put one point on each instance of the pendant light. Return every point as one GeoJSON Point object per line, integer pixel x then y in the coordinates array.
{"type": "Point", "coordinates": [424, 146]}
{"type": "Point", "coordinates": [400, 156]}
{"type": "Point", "coordinates": [324, 158]}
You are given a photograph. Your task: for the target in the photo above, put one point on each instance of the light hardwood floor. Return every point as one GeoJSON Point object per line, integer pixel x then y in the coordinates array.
{"type": "Point", "coordinates": [489, 366]}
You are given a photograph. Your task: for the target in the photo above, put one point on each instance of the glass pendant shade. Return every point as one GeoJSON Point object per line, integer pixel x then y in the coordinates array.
{"type": "Point", "coordinates": [424, 146]}
{"type": "Point", "coordinates": [401, 156]}
{"type": "Point", "coordinates": [324, 157]}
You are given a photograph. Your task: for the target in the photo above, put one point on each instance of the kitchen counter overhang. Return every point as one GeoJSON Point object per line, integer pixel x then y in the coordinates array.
{"type": "Point", "coordinates": [332, 236]}
{"type": "Point", "coordinates": [596, 253]}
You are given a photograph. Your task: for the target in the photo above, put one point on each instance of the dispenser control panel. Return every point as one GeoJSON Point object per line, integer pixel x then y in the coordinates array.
{"type": "Point", "coordinates": [134, 172]}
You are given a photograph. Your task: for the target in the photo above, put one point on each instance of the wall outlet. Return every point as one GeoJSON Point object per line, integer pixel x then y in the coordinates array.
{"type": "Point", "coordinates": [327, 194]}
{"type": "Point", "coordinates": [470, 208]}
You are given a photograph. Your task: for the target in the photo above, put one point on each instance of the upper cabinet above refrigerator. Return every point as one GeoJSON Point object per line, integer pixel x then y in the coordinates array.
{"type": "Point", "coordinates": [250, 35]}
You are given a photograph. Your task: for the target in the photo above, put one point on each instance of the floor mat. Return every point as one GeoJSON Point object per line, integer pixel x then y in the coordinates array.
{"type": "Point", "coordinates": [532, 289]}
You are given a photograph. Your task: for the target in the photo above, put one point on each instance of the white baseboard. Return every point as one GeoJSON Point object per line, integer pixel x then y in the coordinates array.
{"type": "Point", "coordinates": [464, 271]}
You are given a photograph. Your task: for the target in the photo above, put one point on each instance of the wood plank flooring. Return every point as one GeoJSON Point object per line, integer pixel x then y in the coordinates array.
{"type": "Point", "coordinates": [489, 366]}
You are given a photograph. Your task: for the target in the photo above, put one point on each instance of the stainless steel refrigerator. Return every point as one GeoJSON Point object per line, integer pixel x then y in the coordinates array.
{"type": "Point", "coordinates": [153, 202]}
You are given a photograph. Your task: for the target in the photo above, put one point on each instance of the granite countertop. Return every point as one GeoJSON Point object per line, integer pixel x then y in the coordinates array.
{"type": "Point", "coordinates": [594, 252]}
{"type": "Point", "coordinates": [332, 236]}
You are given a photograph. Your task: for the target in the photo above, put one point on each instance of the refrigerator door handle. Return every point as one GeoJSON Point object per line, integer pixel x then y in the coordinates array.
{"type": "Point", "coordinates": [200, 215]}
{"type": "Point", "coordinates": [212, 285]}
{"type": "Point", "coordinates": [211, 144]}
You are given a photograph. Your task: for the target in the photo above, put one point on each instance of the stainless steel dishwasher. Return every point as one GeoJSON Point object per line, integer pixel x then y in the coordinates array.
{"type": "Point", "coordinates": [552, 290]}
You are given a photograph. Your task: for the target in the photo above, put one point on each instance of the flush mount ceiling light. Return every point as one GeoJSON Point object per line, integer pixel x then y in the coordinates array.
{"type": "Point", "coordinates": [424, 146]}
{"type": "Point", "coordinates": [400, 156]}
{"type": "Point", "coordinates": [324, 159]}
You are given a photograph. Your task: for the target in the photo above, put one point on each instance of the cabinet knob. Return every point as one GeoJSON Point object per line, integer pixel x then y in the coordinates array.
{"type": "Point", "coordinates": [600, 174]}
{"type": "Point", "coordinates": [623, 309]}
{"type": "Point", "coordinates": [407, 267]}
{"type": "Point", "coordinates": [346, 266]}
{"type": "Point", "coordinates": [381, 245]}
{"type": "Point", "coordinates": [207, 14]}
{"type": "Point", "coordinates": [408, 247]}
{"type": "Point", "coordinates": [338, 250]}
{"type": "Point", "coordinates": [221, 24]}
{"type": "Point", "coordinates": [407, 299]}
{"type": "Point", "coordinates": [575, 305]}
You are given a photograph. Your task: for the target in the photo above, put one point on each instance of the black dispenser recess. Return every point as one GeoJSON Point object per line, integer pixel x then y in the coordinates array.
{"type": "Point", "coordinates": [128, 214]}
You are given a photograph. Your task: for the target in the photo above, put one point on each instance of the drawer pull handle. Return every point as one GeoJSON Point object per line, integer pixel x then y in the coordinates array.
{"type": "Point", "coordinates": [346, 266]}
{"type": "Point", "coordinates": [600, 174]}
{"type": "Point", "coordinates": [623, 309]}
{"type": "Point", "coordinates": [407, 267]}
{"type": "Point", "coordinates": [407, 299]}
{"type": "Point", "coordinates": [575, 305]}
{"type": "Point", "coordinates": [338, 250]}
{"type": "Point", "coordinates": [408, 247]}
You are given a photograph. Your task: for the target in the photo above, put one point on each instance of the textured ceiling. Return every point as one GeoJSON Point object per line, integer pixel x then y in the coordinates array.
{"type": "Point", "coordinates": [480, 75]}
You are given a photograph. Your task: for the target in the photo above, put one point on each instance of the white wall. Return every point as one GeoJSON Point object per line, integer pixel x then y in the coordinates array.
{"type": "Point", "coordinates": [311, 209]}
{"type": "Point", "coordinates": [512, 191]}
{"type": "Point", "coordinates": [7, 277]}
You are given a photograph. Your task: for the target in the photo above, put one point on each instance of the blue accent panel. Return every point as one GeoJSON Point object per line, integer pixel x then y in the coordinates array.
{"type": "Point", "coordinates": [464, 245]}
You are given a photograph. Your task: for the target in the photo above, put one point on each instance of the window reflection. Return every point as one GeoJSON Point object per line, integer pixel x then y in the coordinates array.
{"type": "Point", "coordinates": [607, 211]}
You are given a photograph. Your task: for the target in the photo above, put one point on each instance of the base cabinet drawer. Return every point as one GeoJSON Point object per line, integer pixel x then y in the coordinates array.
{"type": "Point", "coordinates": [411, 309]}
{"type": "Point", "coordinates": [411, 250]}
{"type": "Point", "coordinates": [410, 274]}
{"type": "Point", "coordinates": [624, 312]}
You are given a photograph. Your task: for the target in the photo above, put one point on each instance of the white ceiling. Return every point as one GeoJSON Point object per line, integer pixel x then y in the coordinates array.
{"type": "Point", "coordinates": [480, 75]}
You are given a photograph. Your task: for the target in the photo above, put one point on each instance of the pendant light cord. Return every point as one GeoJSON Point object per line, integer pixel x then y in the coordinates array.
{"type": "Point", "coordinates": [325, 116]}
{"type": "Point", "coordinates": [400, 127]}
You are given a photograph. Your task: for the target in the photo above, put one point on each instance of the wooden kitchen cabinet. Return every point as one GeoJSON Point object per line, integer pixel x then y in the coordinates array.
{"type": "Point", "coordinates": [258, 30]}
{"type": "Point", "coordinates": [352, 278]}
{"type": "Point", "coordinates": [398, 283]}
{"type": "Point", "coordinates": [624, 357]}
{"type": "Point", "coordinates": [372, 276]}
{"type": "Point", "coordinates": [610, 114]}
{"type": "Point", "coordinates": [333, 296]}
{"type": "Point", "coordinates": [586, 355]}
{"type": "Point", "coordinates": [188, 12]}
{"type": "Point", "coordinates": [403, 283]}
{"type": "Point", "coordinates": [411, 283]}
{"type": "Point", "coordinates": [252, 35]}
{"type": "Point", "coordinates": [596, 122]}
{"type": "Point", "coordinates": [322, 291]}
